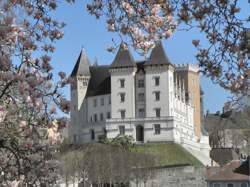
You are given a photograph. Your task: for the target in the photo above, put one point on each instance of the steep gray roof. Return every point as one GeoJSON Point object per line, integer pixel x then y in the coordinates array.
{"type": "Point", "coordinates": [158, 56]}
{"type": "Point", "coordinates": [237, 120]}
{"type": "Point", "coordinates": [123, 59]}
{"type": "Point", "coordinates": [82, 65]}
{"type": "Point", "coordinates": [99, 83]}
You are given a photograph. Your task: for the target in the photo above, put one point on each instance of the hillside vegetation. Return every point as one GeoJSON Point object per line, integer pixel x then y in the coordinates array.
{"type": "Point", "coordinates": [168, 154]}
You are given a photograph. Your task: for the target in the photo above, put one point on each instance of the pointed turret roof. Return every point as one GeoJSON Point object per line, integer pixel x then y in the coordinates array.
{"type": "Point", "coordinates": [158, 56]}
{"type": "Point", "coordinates": [123, 58]}
{"type": "Point", "coordinates": [82, 65]}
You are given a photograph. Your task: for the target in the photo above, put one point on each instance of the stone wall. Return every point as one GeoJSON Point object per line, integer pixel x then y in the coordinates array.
{"type": "Point", "coordinates": [187, 176]}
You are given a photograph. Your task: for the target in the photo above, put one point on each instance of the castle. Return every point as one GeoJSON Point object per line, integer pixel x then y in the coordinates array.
{"type": "Point", "coordinates": [151, 100]}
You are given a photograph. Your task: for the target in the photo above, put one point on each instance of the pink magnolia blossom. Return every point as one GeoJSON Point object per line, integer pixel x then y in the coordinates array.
{"type": "Point", "coordinates": [3, 113]}
{"type": "Point", "coordinates": [23, 124]}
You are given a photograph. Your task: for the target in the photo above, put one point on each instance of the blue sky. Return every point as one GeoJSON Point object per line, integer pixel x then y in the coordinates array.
{"type": "Point", "coordinates": [83, 30]}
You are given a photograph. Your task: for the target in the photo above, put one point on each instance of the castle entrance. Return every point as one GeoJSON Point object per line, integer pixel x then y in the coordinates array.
{"type": "Point", "coordinates": [139, 133]}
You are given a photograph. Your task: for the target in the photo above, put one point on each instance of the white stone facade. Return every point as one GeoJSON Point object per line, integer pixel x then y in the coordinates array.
{"type": "Point", "coordinates": [146, 103]}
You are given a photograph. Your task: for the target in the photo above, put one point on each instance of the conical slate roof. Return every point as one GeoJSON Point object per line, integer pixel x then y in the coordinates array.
{"type": "Point", "coordinates": [82, 65]}
{"type": "Point", "coordinates": [123, 59]}
{"type": "Point", "coordinates": [158, 56]}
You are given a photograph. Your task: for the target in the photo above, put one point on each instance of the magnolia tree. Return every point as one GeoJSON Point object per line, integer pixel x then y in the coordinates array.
{"type": "Point", "coordinates": [226, 57]}
{"type": "Point", "coordinates": [28, 95]}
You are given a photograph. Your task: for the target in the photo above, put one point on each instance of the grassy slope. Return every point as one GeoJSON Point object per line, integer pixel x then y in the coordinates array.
{"type": "Point", "coordinates": [168, 154]}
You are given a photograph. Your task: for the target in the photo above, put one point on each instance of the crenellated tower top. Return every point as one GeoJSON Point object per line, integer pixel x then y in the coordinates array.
{"type": "Point", "coordinates": [187, 67]}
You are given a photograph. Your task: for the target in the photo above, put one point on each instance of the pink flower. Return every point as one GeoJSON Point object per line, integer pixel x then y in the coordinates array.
{"type": "Point", "coordinates": [168, 34]}
{"type": "Point", "coordinates": [53, 110]}
{"type": "Point", "coordinates": [14, 183]}
{"type": "Point", "coordinates": [3, 113]}
{"type": "Point", "coordinates": [28, 99]}
{"type": "Point", "coordinates": [22, 124]}
{"type": "Point", "coordinates": [170, 18]}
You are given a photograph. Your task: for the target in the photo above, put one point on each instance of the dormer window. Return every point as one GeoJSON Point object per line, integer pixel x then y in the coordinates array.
{"type": "Point", "coordinates": [122, 83]}
{"type": "Point", "coordinates": [157, 81]}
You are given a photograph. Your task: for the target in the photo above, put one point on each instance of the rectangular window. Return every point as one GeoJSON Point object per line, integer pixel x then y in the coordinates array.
{"type": "Point", "coordinates": [104, 131]}
{"type": "Point", "coordinates": [217, 185]}
{"type": "Point", "coordinates": [95, 117]}
{"type": "Point", "coordinates": [95, 103]}
{"type": "Point", "coordinates": [157, 96]}
{"type": "Point", "coordinates": [158, 112]}
{"type": "Point", "coordinates": [122, 130]}
{"type": "Point", "coordinates": [108, 115]}
{"type": "Point", "coordinates": [244, 184]}
{"type": "Point", "coordinates": [102, 101]}
{"type": "Point", "coordinates": [141, 97]}
{"type": "Point", "coordinates": [101, 117]}
{"type": "Point", "coordinates": [92, 134]}
{"type": "Point", "coordinates": [140, 83]}
{"type": "Point", "coordinates": [109, 100]}
{"type": "Point", "coordinates": [122, 95]}
{"type": "Point", "coordinates": [75, 138]}
{"type": "Point", "coordinates": [157, 128]}
{"type": "Point", "coordinates": [123, 114]}
{"type": "Point", "coordinates": [230, 185]}
{"type": "Point", "coordinates": [157, 81]}
{"type": "Point", "coordinates": [122, 83]}
{"type": "Point", "coordinates": [141, 112]}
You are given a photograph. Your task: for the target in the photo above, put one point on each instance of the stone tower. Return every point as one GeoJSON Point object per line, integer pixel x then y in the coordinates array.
{"type": "Point", "coordinates": [122, 72]}
{"type": "Point", "coordinates": [190, 74]}
{"type": "Point", "coordinates": [159, 77]}
{"type": "Point", "coordinates": [79, 86]}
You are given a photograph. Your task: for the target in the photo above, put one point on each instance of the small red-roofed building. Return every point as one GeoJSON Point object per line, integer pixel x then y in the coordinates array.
{"type": "Point", "coordinates": [226, 176]}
